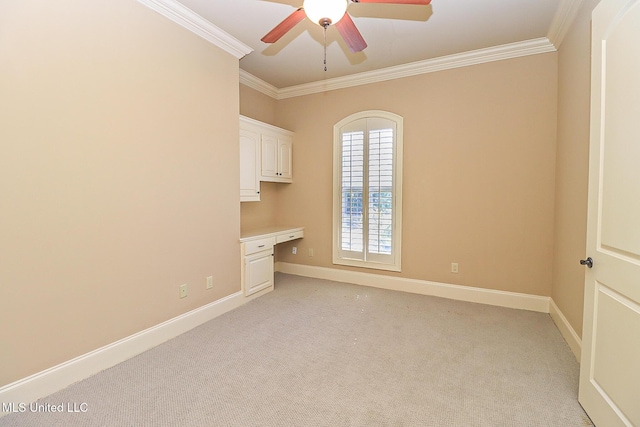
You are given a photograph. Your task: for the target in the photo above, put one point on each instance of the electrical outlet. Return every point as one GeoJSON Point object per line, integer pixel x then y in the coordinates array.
{"type": "Point", "coordinates": [294, 250]}
{"type": "Point", "coordinates": [454, 267]}
{"type": "Point", "coordinates": [310, 251]}
{"type": "Point", "coordinates": [209, 282]}
{"type": "Point", "coordinates": [183, 290]}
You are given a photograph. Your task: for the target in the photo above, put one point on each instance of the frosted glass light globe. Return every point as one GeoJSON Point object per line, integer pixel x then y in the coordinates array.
{"type": "Point", "coordinates": [318, 10]}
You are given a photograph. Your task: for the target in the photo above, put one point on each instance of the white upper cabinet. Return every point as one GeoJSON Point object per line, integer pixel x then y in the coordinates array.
{"type": "Point", "coordinates": [265, 155]}
{"type": "Point", "coordinates": [276, 157]}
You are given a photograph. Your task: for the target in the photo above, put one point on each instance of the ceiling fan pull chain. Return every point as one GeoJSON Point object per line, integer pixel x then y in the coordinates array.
{"type": "Point", "coordinates": [325, 48]}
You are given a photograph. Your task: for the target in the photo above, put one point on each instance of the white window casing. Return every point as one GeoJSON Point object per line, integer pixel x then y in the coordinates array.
{"type": "Point", "coordinates": [367, 190]}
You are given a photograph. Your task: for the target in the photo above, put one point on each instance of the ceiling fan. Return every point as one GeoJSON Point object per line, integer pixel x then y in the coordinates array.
{"type": "Point", "coordinates": [331, 12]}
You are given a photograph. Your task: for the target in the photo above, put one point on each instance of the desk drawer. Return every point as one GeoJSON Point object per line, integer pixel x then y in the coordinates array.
{"type": "Point", "coordinates": [280, 238]}
{"type": "Point", "coordinates": [253, 246]}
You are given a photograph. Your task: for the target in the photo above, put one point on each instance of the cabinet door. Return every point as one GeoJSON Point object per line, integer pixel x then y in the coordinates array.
{"type": "Point", "coordinates": [284, 158]}
{"type": "Point", "coordinates": [258, 271]}
{"type": "Point", "coordinates": [249, 166]}
{"type": "Point", "coordinates": [269, 162]}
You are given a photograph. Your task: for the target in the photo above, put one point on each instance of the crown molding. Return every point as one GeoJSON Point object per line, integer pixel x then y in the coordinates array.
{"type": "Point", "coordinates": [260, 85]}
{"type": "Point", "coordinates": [562, 20]}
{"type": "Point", "coordinates": [465, 59]}
{"type": "Point", "coordinates": [195, 23]}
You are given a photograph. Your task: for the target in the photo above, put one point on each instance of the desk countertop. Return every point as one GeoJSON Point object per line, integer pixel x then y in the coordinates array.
{"type": "Point", "coordinates": [262, 232]}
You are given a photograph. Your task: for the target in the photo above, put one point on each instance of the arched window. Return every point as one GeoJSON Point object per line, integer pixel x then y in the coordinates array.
{"type": "Point", "coordinates": [367, 190]}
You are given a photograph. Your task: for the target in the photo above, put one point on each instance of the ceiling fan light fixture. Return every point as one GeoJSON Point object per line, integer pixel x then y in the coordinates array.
{"type": "Point", "coordinates": [325, 12]}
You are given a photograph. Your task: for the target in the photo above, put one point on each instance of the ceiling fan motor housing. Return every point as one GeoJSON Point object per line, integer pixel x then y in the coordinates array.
{"type": "Point", "coordinates": [325, 12]}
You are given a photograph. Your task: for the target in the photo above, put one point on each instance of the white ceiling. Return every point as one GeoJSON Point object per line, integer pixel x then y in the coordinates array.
{"type": "Point", "coordinates": [395, 34]}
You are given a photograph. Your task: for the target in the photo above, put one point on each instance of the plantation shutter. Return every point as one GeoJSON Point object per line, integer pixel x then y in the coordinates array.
{"type": "Point", "coordinates": [352, 187]}
{"type": "Point", "coordinates": [380, 191]}
{"type": "Point", "coordinates": [367, 190]}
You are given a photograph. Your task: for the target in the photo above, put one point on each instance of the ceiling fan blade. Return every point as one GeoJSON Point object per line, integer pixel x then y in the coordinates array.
{"type": "Point", "coordinates": [350, 34]}
{"type": "Point", "coordinates": [419, 2]}
{"type": "Point", "coordinates": [282, 28]}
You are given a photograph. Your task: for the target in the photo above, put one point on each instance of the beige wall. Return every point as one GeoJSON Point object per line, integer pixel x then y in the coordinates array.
{"type": "Point", "coordinates": [257, 105]}
{"type": "Point", "coordinates": [118, 176]}
{"type": "Point", "coordinates": [572, 166]}
{"type": "Point", "coordinates": [479, 167]}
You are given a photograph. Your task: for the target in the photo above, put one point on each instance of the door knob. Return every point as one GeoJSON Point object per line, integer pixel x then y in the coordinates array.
{"type": "Point", "coordinates": [588, 262]}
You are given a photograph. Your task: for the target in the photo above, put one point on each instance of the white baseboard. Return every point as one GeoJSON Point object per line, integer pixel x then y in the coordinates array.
{"type": "Point", "coordinates": [568, 333]}
{"type": "Point", "coordinates": [43, 383]}
{"type": "Point", "coordinates": [423, 287]}
{"type": "Point", "coordinates": [58, 377]}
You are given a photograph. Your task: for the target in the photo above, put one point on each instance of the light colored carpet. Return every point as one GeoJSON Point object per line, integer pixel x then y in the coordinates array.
{"type": "Point", "coordinates": [321, 353]}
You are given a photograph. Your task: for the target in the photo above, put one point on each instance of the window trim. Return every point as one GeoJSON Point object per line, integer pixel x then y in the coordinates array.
{"type": "Point", "coordinates": [397, 179]}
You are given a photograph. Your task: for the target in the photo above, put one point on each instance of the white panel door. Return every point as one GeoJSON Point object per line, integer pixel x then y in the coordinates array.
{"type": "Point", "coordinates": [610, 365]}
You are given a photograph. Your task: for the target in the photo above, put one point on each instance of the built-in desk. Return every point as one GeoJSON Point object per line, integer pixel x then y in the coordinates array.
{"type": "Point", "coordinates": [257, 256]}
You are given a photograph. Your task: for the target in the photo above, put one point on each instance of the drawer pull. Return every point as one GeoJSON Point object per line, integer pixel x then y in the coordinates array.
{"type": "Point", "coordinates": [261, 246]}
{"type": "Point", "coordinates": [291, 237]}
